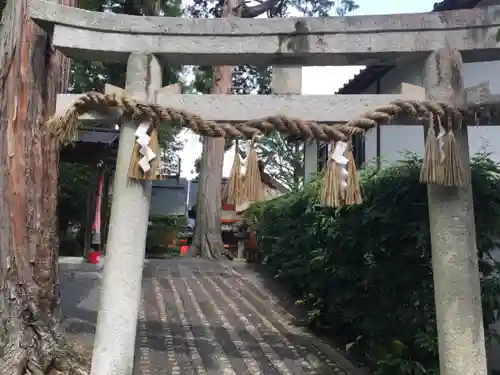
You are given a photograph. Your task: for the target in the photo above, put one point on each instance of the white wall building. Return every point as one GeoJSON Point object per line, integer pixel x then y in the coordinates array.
{"type": "Point", "coordinates": [396, 139]}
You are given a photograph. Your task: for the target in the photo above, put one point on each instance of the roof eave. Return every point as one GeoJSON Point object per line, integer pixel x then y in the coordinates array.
{"type": "Point", "coordinates": [371, 74]}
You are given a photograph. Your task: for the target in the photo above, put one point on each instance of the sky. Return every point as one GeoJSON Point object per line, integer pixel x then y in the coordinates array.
{"type": "Point", "coordinates": [324, 80]}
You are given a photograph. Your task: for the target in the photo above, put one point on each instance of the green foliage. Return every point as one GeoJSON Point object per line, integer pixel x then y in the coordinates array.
{"type": "Point", "coordinates": [71, 245]}
{"type": "Point", "coordinates": [73, 192]}
{"type": "Point", "coordinates": [247, 79]}
{"type": "Point", "coordinates": [90, 75]}
{"type": "Point", "coordinates": [72, 207]}
{"type": "Point", "coordinates": [93, 75]}
{"type": "Point", "coordinates": [365, 273]}
{"type": "Point", "coordinates": [162, 228]}
{"type": "Point", "coordinates": [169, 221]}
{"type": "Point", "coordinates": [283, 159]}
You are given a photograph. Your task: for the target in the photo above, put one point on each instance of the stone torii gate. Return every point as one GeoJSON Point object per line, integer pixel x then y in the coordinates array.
{"type": "Point", "coordinates": [443, 38]}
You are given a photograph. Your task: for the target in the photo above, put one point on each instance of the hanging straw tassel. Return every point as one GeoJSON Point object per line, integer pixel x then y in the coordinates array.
{"type": "Point", "coordinates": [232, 190]}
{"type": "Point", "coordinates": [65, 128]}
{"type": "Point", "coordinates": [240, 199]}
{"type": "Point", "coordinates": [155, 163]}
{"type": "Point", "coordinates": [253, 189]}
{"type": "Point", "coordinates": [330, 194]}
{"type": "Point", "coordinates": [430, 172]}
{"type": "Point", "coordinates": [453, 172]}
{"type": "Point", "coordinates": [135, 172]}
{"type": "Point", "coordinates": [353, 190]}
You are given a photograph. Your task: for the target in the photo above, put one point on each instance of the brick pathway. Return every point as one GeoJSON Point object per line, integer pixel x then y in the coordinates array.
{"type": "Point", "coordinates": [204, 318]}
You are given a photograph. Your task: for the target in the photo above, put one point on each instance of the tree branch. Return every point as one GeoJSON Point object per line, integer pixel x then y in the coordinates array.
{"type": "Point", "coordinates": [263, 7]}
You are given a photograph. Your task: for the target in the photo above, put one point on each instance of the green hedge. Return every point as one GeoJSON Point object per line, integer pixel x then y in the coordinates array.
{"type": "Point", "coordinates": [365, 273]}
{"type": "Point", "coordinates": [157, 230]}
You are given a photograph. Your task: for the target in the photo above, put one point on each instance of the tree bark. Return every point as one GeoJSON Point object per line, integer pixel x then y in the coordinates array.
{"type": "Point", "coordinates": [208, 237]}
{"type": "Point", "coordinates": [31, 74]}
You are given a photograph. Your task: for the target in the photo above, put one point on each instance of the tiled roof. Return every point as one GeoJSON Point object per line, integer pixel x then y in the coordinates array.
{"type": "Point", "coordinates": [368, 76]}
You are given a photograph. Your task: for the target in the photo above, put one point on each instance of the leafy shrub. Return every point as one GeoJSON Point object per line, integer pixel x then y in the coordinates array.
{"type": "Point", "coordinates": [365, 272]}
{"type": "Point", "coordinates": [72, 197]}
{"type": "Point", "coordinates": [69, 246]}
{"type": "Point", "coordinates": [169, 221]}
{"type": "Point", "coordinates": [161, 231]}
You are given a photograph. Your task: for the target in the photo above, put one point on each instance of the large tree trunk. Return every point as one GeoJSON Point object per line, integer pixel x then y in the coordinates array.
{"type": "Point", "coordinates": [31, 75]}
{"type": "Point", "coordinates": [208, 237]}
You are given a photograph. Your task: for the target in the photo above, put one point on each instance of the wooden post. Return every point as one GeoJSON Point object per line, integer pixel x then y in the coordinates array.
{"type": "Point", "coordinates": [120, 299]}
{"type": "Point", "coordinates": [90, 210]}
{"type": "Point", "coordinates": [104, 209]}
{"type": "Point", "coordinates": [453, 237]}
{"type": "Point", "coordinates": [310, 160]}
{"type": "Point", "coordinates": [241, 250]}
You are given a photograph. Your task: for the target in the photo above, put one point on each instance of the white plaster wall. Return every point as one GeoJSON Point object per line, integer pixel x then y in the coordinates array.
{"type": "Point", "coordinates": [395, 140]}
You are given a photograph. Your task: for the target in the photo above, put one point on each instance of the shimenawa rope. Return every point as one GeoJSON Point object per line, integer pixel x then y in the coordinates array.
{"type": "Point", "coordinates": [447, 172]}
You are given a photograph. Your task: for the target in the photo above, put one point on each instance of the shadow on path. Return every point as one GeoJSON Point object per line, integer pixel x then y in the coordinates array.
{"type": "Point", "coordinates": [202, 317]}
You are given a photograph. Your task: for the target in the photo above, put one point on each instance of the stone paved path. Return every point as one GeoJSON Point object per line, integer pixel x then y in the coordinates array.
{"type": "Point", "coordinates": [205, 318]}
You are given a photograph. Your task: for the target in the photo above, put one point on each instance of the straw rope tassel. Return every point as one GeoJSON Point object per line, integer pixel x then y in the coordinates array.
{"type": "Point", "coordinates": [135, 172]}
{"type": "Point", "coordinates": [65, 128]}
{"type": "Point", "coordinates": [253, 189]}
{"type": "Point", "coordinates": [330, 193]}
{"type": "Point", "coordinates": [353, 190]}
{"type": "Point", "coordinates": [430, 172]}
{"type": "Point", "coordinates": [240, 198]}
{"type": "Point", "coordinates": [453, 173]}
{"type": "Point", "coordinates": [155, 146]}
{"type": "Point", "coordinates": [232, 190]}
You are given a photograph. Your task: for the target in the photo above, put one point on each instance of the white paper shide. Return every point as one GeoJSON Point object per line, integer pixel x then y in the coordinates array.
{"type": "Point", "coordinates": [143, 140]}
{"type": "Point", "coordinates": [440, 139]}
{"type": "Point", "coordinates": [338, 156]}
